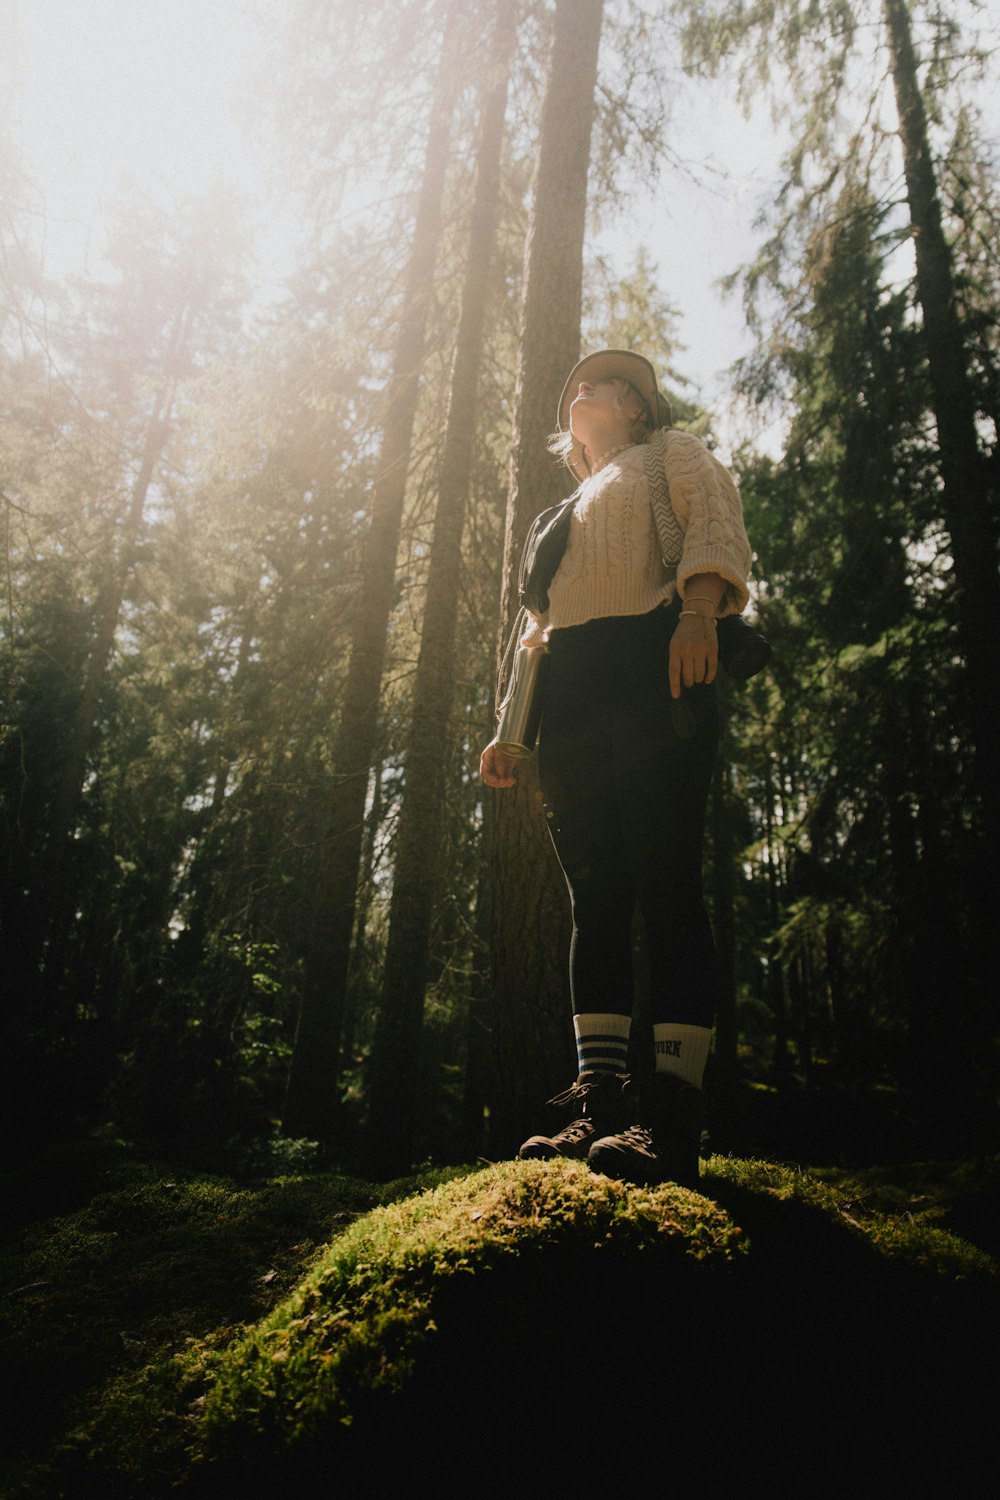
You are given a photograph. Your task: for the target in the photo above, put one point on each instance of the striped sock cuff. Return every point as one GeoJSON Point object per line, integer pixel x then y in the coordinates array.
{"type": "Point", "coordinates": [682, 1050]}
{"type": "Point", "coordinates": [602, 1042]}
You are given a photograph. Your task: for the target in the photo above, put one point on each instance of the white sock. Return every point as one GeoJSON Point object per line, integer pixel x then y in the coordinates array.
{"type": "Point", "coordinates": [682, 1050]}
{"type": "Point", "coordinates": [602, 1042]}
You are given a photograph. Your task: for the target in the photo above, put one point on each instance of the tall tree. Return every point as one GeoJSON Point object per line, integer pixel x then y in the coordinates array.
{"type": "Point", "coordinates": [964, 474]}
{"type": "Point", "coordinates": [310, 1105]}
{"type": "Point", "coordinates": [172, 305]}
{"type": "Point", "coordinates": [530, 932]}
{"type": "Point", "coordinates": [867, 843]}
{"type": "Point", "coordinates": [396, 1055]}
{"type": "Point", "coordinates": [78, 591]}
{"type": "Point", "coordinates": [816, 52]}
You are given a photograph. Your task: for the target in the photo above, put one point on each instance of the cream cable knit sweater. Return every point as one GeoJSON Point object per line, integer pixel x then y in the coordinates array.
{"type": "Point", "coordinates": [613, 565]}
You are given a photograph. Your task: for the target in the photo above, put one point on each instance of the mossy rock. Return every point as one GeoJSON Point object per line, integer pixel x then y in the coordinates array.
{"type": "Point", "coordinates": [531, 1322]}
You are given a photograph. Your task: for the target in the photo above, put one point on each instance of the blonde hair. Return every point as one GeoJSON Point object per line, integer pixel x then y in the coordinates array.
{"type": "Point", "coordinates": [565, 446]}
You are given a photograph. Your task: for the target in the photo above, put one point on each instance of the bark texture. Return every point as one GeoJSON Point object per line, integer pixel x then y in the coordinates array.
{"type": "Point", "coordinates": [965, 494]}
{"type": "Point", "coordinates": [395, 1077]}
{"type": "Point", "coordinates": [531, 1008]}
{"type": "Point", "coordinates": [723, 897]}
{"type": "Point", "coordinates": [310, 1104]}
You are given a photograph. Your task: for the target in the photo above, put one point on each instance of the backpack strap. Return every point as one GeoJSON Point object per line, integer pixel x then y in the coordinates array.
{"type": "Point", "coordinates": [668, 527]}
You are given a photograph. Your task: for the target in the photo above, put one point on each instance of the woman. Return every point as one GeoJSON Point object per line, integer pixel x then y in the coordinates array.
{"type": "Point", "coordinates": [625, 777]}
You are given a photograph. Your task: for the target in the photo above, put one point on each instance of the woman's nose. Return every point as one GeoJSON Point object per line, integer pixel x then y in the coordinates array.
{"type": "Point", "coordinates": [584, 389]}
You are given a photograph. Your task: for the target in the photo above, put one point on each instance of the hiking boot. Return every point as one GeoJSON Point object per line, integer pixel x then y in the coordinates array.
{"type": "Point", "coordinates": [599, 1106]}
{"type": "Point", "coordinates": [663, 1147]}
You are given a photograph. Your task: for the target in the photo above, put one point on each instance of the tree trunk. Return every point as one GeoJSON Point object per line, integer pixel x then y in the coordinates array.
{"type": "Point", "coordinates": [82, 729]}
{"type": "Point", "coordinates": [723, 892]}
{"type": "Point", "coordinates": [310, 1103]}
{"type": "Point", "coordinates": [775, 983]}
{"type": "Point", "coordinates": [533, 1035]}
{"type": "Point", "coordinates": [394, 1082]}
{"type": "Point", "coordinates": [46, 942]}
{"type": "Point", "coordinates": [965, 494]}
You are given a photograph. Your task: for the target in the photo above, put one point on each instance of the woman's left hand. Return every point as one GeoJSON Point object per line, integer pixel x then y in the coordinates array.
{"type": "Point", "coordinates": [496, 768]}
{"type": "Point", "coordinates": [694, 652]}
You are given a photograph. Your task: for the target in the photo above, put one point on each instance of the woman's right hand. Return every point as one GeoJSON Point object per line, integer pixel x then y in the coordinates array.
{"type": "Point", "coordinates": [495, 767]}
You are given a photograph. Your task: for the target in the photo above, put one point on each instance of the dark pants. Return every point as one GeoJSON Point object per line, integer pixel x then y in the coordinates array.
{"type": "Point", "coordinates": [625, 797]}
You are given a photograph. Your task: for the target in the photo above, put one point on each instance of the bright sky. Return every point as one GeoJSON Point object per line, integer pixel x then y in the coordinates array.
{"type": "Point", "coordinates": [110, 82]}
{"type": "Point", "coordinates": [161, 89]}
{"type": "Point", "coordinates": [99, 89]}
{"type": "Point", "coordinates": [698, 228]}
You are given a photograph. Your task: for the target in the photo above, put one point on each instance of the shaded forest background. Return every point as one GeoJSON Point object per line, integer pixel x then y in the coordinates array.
{"type": "Point", "coordinates": [257, 570]}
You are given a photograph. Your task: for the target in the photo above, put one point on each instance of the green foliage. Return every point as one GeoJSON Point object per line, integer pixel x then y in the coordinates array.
{"type": "Point", "coordinates": [861, 720]}
{"type": "Point", "coordinates": [279, 1154]}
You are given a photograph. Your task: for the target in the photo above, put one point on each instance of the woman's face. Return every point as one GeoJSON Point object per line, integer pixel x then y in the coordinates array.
{"type": "Point", "coordinates": [602, 416]}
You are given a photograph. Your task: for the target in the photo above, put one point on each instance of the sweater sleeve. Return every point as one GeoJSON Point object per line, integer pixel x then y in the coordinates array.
{"type": "Point", "coordinates": [707, 505]}
{"type": "Point", "coordinates": [535, 632]}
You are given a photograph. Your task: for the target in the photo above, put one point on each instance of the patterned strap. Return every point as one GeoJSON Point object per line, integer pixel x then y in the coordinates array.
{"type": "Point", "coordinates": [667, 525]}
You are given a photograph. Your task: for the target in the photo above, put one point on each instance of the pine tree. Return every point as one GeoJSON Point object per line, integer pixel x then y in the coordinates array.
{"type": "Point", "coordinates": [416, 873]}
{"type": "Point", "coordinates": [532, 1034]}
{"type": "Point", "coordinates": [310, 1106]}
{"type": "Point", "coordinates": [815, 55]}
{"type": "Point", "coordinates": [964, 497]}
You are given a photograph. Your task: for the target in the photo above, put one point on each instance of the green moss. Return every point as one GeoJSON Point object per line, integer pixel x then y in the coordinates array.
{"type": "Point", "coordinates": [358, 1321]}
{"type": "Point", "coordinates": [100, 1297]}
{"type": "Point", "coordinates": [907, 1237]}
{"type": "Point", "coordinates": [183, 1330]}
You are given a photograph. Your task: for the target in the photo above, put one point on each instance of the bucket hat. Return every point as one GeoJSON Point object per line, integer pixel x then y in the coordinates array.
{"type": "Point", "coordinates": [611, 364]}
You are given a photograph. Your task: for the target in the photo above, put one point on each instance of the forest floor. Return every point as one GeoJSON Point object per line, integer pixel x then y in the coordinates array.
{"type": "Point", "coordinates": [122, 1273]}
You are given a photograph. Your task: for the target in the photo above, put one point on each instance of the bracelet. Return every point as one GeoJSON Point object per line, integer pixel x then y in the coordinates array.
{"type": "Point", "coordinates": [702, 599]}
{"type": "Point", "coordinates": [696, 614]}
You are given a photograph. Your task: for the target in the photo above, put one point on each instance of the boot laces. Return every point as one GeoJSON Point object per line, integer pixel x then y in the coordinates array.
{"type": "Point", "coordinates": [640, 1136]}
{"type": "Point", "coordinates": [580, 1129]}
{"type": "Point", "coordinates": [577, 1092]}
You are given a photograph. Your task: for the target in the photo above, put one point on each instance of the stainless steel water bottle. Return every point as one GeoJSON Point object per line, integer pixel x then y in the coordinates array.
{"type": "Point", "coordinates": [521, 709]}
